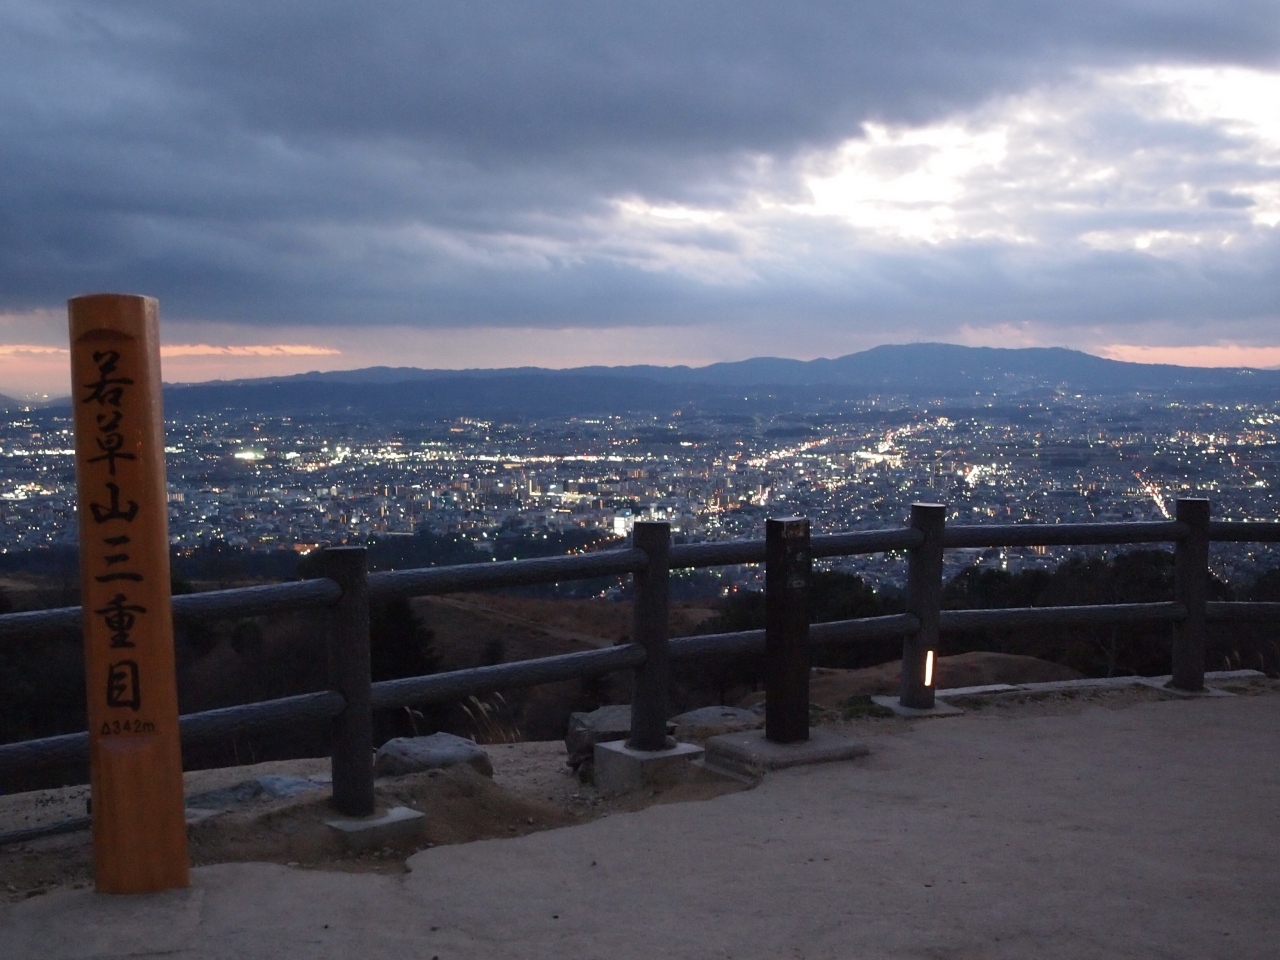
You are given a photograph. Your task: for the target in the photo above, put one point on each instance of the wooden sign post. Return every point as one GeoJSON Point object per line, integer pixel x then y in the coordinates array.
{"type": "Point", "coordinates": [135, 755]}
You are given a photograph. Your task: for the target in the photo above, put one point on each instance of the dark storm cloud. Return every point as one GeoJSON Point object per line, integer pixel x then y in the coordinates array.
{"type": "Point", "coordinates": [458, 162]}
{"type": "Point", "coordinates": [511, 81]}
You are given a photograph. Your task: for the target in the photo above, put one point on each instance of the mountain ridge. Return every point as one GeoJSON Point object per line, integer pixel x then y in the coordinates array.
{"type": "Point", "coordinates": [760, 384]}
{"type": "Point", "coordinates": [875, 365]}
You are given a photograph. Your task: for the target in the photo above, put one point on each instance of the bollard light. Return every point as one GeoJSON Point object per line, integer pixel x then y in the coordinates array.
{"type": "Point", "coordinates": [924, 602]}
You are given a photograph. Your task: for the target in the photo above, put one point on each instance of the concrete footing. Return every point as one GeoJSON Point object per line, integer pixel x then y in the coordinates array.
{"type": "Point", "coordinates": [617, 768]}
{"type": "Point", "coordinates": [751, 754]}
{"type": "Point", "coordinates": [1162, 684]}
{"type": "Point", "coordinates": [939, 708]}
{"type": "Point", "coordinates": [978, 691]}
{"type": "Point", "coordinates": [361, 833]}
{"type": "Point", "coordinates": [1100, 683]}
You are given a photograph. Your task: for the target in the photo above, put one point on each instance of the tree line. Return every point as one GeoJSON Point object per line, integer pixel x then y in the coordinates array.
{"type": "Point", "coordinates": [1140, 576]}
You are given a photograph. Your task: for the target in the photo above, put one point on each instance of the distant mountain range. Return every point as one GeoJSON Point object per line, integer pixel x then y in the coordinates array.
{"type": "Point", "coordinates": [915, 371]}
{"type": "Point", "coordinates": [928, 366]}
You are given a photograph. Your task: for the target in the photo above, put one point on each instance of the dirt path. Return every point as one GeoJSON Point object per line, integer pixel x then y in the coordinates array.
{"type": "Point", "coordinates": [1119, 829]}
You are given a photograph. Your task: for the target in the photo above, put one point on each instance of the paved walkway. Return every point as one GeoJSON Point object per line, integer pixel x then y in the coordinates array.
{"type": "Point", "coordinates": [1151, 831]}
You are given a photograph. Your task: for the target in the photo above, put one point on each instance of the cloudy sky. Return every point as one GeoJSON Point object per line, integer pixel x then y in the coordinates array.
{"type": "Point", "coordinates": [311, 185]}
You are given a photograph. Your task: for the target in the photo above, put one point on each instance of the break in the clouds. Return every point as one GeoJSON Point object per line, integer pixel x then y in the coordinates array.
{"type": "Point", "coordinates": [1093, 173]}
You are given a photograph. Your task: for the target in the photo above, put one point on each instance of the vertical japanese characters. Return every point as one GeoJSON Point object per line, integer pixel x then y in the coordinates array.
{"type": "Point", "coordinates": [114, 518]}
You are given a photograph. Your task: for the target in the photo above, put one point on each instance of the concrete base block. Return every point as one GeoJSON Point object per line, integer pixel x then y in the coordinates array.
{"type": "Point", "coordinates": [939, 708]}
{"type": "Point", "coordinates": [618, 768]}
{"type": "Point", "coordinates": [1088, 683]}
{"type": "Point", "coordinates": [1216, 675]}
{"type": "Point", "coordinates": [361, 833]}
{"type": "Point", "coordinates": [1162, 684]}
{"type": "Point", "coordinates": [751, 754]}
{"type": "Point", "coordinates": [978, 691]}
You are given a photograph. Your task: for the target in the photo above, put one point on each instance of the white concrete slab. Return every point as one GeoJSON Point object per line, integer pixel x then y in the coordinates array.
{"type": "Point", "coordinates": [751, 753]}
{"type": "Point", "coordinates": [940, 708]}
{"type": "Point", "coordinates": [1162, 684]}
{"type": "Point", "coordinates": [363, 833]}
{"type": "Point", "coordinates": [1088, 683]}
{"type": "Point", "coordinates": [1217, 675]}
{"type": "Point", "coordinates": [617, 768]}
{"type": "Point", "coordinates": [978, 690]}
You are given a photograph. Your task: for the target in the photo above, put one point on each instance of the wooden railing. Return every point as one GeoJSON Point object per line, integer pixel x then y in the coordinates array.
{"type": "Point", "coordinates": [788, 552]}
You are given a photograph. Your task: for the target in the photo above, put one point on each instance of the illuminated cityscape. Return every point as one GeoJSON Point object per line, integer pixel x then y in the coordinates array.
{"type": "Point", "coordinates": [264, 484]}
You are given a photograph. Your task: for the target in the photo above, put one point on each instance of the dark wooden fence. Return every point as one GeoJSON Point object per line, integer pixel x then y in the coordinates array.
{"type": "Point", "coordinates": [788, 552]}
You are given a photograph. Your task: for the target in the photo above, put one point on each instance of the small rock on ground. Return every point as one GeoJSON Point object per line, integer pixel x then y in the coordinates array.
{"type": "Point", "coordinates": [712, 721]}
{"type": "Point", "coordinates": [268, 785]}
{"type": "Point", "coordinates": [438, 751]}
{"type": "Point", "coordinates": [586, 729]}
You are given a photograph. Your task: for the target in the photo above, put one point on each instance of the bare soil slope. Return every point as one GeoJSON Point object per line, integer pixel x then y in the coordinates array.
{"type": "Point", "coordinates": [831, 688]}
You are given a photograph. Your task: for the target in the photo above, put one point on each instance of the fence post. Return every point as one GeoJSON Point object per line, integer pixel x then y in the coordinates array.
{"type": "Point", "coordinates": [349, 675]}
{"type": "Point", "coordinates": [924, 601]}
{"type": "Point", "coordinates": [650, 624]}
{"type": "Point", "coordinates": [1191, 589]}
{"type": "Point", "coordinates": [788, 569]}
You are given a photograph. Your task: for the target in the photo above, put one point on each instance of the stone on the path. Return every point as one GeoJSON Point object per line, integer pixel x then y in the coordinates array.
{"type": "Point", "coordinates": [436, 752]}
{"type": "Point", "coordinates": [278, 786]}
{"type": "Point", "coordinates": [268, 786]}
{"type": "Point", "coordinates": [232, 796]}
{"type": "Point", "coordinates": [712, 721]}
{"type": "Point", "coordinates": [586, 729]}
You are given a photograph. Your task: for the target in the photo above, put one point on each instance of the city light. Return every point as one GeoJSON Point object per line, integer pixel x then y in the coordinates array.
{"type": "Point", "coordinates": [859, 465]}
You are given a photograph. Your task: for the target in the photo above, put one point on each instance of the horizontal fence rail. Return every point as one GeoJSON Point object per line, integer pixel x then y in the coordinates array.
{"type": "Point", "coordinates": [922, 543]}
{"type": "Point", "coordinates": [460, 684]}
{"type": "Point", "coordinates": [1244, 531]}
{"type": "Point", "coordinates": [864, 541]}
{"type": "Point", "coordinates": [751, 642]}
{"type": "Point", "coordinates": [44, 624]}
{"type": "Point", "coordinates": [45, 752]}
{"type": "Point", "coordinates": [273, 598]}
{"type": "Point", "coordinates": [1063, 534]}
{"type": "Point", "coordinates": [1008, 618]}
{"type": "Point", "coordinates": [194, 728]}
{"type": "Point", "coordinates": [277, 598]}
{"type": "Point", "coordinates": [1223, 611]}
{"type": "Point", "coordinates": [506, 573]}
